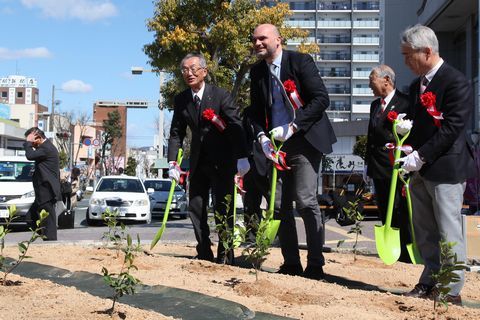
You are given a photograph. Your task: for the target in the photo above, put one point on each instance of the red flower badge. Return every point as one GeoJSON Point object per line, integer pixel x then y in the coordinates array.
{"type": "Point", "coordinates": [293, 94]}
{"type": "Point", "coordinates": [428, 100]}
{"type": "Point", "coordinates": [392, 116]}
{"type": "Point", "coordinates": [209, 115]}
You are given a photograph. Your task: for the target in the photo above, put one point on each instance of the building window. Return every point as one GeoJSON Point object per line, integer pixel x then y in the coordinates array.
{"type": "Point", "coordinates": [19, 94]}
{"type": "Point", "coordinates": [4, 94]}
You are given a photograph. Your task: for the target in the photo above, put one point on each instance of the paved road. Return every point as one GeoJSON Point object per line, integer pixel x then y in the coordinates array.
{"type": "Point", "coordinates": [180, 230]}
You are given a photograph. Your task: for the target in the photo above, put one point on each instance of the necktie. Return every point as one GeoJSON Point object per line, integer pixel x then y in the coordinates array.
{"type": "Point", "coordinates": [423, 84]}
{"type": "Point", "coordinates": [197, 102]}
{"type": "Point", "coordinates": [383, 104]}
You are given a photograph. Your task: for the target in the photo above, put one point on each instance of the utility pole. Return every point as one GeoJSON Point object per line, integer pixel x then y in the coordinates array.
{"type": "Point", "coordinates": [52, 115]}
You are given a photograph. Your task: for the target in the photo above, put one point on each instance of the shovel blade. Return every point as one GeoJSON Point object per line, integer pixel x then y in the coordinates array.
{"type": "Point", "coordinates": [414, 253]}
{"type": "Point", "coordinates": [387, 241]}
{"type": "Point", "coordinates": [272, 229]}
{"type": "Point", "coordinates": [158, 236]}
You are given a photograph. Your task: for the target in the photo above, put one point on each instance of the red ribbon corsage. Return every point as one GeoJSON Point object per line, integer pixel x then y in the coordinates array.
{"type": "Point", "coordinates": [428, 100]}
{"type": "Point", "coordinates": [209, 115]}
{"type": "Point", "coordinates": [392, 116]}
{"type": "Point", "coordinates": [293, 94]}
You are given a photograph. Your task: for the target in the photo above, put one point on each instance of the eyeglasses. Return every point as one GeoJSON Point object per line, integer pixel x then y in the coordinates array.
{"type": "Point", "coordinates": [194, 70]}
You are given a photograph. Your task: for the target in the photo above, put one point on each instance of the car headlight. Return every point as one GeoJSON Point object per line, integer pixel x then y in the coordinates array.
{"type": "Point", "coordinates": [30, 194]}
{"type": "Point", "coordinates": [180, 197]}
{"type": "Point", "coordinates": [142, 202]}
{"type": "Point", "coordinates": [97, 201]}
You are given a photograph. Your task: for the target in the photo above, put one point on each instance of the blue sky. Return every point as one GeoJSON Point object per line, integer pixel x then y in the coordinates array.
{"type": "Point", "coordinates": [86, 49]}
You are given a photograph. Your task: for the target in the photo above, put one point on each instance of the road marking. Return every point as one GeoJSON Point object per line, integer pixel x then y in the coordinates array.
{"type": "Point", "coordinates": [346, 234]}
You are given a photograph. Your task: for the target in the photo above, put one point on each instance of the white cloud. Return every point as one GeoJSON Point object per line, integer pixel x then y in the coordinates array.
{"type": "Point", "coordinates": [39, 52]}
{"type": "Point", "coordinates": [76, 86]}
{"type": "Point", "coordinates": [85, 10]}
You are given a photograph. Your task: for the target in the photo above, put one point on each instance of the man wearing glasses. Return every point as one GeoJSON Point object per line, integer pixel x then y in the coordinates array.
{"type": "Point", "coordinates": [215, 154]}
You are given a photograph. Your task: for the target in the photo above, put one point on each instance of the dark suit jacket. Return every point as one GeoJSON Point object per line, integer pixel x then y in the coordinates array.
{"type": "Point", "coordinates": [311, 120]}
{"type": "Point", "coordinates": [215, 147]}
{"type": "Point", "coordinates": [46, 178]}
{"type": "Point", "coordinates": [445, 150]}
{"type": "Point", "coordinates": [380, 132]}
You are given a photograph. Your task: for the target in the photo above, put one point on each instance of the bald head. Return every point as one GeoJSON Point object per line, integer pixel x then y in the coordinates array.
{"type": "Point", "coordinates": [267, 42]}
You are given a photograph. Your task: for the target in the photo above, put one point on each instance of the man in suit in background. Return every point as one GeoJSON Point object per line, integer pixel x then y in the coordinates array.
{"type": "Point", "coordinates": [441, 160]}
{"type": "Point", "coordinates": [215, 155]}
{"type": "Point", "coordinates": [379, 166]}
{"type": "Point", "coordinates": [306, 133]}
{"type": "Point", "coordinates": [46, 179]}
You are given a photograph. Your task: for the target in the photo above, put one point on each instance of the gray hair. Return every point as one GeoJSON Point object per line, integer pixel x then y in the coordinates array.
{"type": "Point", "coordinates": [419, 37]}
{"type": "Point", "coordinates": [201, 58]}
{"type": "Point", "coordinates": [383, 71]}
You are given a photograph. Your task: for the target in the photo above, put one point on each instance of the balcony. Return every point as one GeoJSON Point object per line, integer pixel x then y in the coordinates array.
{"type": "Point", "coordinates": [362, 91]}
{"type": "Point", "coordinates": [334, 56]}
{"type": "Point", "coordinates": [300, 40]}
{"type": "Point", "coordinates": [366, 40]}
{"type": "Point", "coordinates": [333, 39]}
{"type": "Point", "coordinates": [334, 24]}
{"type": "Point", "coordinates": [338, 90]}
{"type": "Point", "coordinates": [302, 5]}
{"type": "Point", "coordinates": [360, 74]}
{"type": "Point", "coordinates": [370, 24]}
{"type": "Point", "coordinates": [334, 73]}
{"type": "Point", "coordinates": [361, 108]}
{"type": "Point", "coordinates": [300, 23]}
{"type": "Point", "coordinates": [370, 5]}
{"type": "Point", "coordinates": [334, 6]}
{"type": "Point", "coordinates": [366, 57]}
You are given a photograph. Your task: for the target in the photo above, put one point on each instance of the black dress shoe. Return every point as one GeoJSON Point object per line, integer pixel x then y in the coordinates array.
{"type": "Point", "coordinates": [420, 291]}
{"type": "Point", "coordinates": [291, 269]}
{"type": "Point", "coordinates": [314, 273]}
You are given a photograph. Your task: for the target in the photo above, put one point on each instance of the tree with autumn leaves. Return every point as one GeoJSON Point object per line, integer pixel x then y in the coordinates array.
{"type": "Point", "coordinates": [221, 31]}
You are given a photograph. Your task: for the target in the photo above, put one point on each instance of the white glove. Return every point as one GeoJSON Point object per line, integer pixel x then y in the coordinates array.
{"type": "Point", "coordinates": [282, 133]}
{"type": "Point", "coordinates": [243, 166]}
{"type": "Point", "coordinates": [412, 162]}
{"type": "Point", "coordinates": [267, 148]}
{"type": "Point", "coordinates": [174, 171]}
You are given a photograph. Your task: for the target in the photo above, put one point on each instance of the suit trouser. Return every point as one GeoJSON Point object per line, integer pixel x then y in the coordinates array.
{"type": "Point", "coordinates": [299, 184]}
{"type": "Point", "coordinates": [399, 214]}
{"type": "Point", "coordinates": [49, 225]}
{"type": "Point", "coordinates": [436, 215]}
{"type": "Point", "coordinates": [256, 187]}
{"type": "Point", "coordinates": [221, 182]}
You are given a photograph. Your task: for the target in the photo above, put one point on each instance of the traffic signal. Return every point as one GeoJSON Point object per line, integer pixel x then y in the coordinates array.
{"type": "Point", "coordinates": [63, 135]}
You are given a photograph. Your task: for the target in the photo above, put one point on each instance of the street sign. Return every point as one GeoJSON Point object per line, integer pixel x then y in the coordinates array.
{"type": "Point", "coordinates": [87, 141]}
{"type": "Point", "coordinates": [96, 143]}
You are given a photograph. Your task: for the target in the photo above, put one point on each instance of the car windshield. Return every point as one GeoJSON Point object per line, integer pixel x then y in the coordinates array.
{"type": "Point", "coordinates": [160, 185]}
{"type": "Point", "coordinates": [120, 185]}
{"type": "Point", "coordinates": [16, 171]}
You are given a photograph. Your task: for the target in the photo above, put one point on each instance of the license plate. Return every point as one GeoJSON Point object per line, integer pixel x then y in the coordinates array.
{"type": "Point", "coordinates": [4, 213]}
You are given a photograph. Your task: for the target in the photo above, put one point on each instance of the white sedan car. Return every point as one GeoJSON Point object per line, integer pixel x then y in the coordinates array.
{"type": "Point", "coordinates": [123, 193]}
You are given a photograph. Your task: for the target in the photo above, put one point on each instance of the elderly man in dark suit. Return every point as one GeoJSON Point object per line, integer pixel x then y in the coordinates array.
{"type": "Point", "coordinates": [307, 133]}
{"type": "Point", "coordinates": [441, 106]}
{"type": "Point", "coordinates": [378, 161]}
{"type": "Point", "coordinates": [46, 179]}
{"type": "Point", "coordinates": [216, 154]}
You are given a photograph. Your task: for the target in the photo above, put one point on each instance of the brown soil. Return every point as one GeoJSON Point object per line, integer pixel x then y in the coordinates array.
{"type": "Point", "coordinates": [354, 290]}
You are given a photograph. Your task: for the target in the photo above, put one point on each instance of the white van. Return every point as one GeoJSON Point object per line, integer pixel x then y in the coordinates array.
{"type": "Point", "coordinates": [16, 187]}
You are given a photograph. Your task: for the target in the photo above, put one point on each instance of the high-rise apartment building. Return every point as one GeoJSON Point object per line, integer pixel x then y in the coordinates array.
{"type": "Point", "coordinates": [350, 38]}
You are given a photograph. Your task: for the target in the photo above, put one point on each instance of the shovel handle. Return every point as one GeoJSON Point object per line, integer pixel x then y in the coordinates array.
{"type": "Point", "coordinates": [393, 184]}
{"type": "Point", "coordinates": [159, 233]}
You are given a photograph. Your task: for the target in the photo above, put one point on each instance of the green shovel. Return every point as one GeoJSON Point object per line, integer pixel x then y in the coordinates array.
{"type": "Point", "coordinates": [273, 224]}
{"type": "Point", "coordinates": [169, 202]}
{"type": "Point", "coordinates": [412, 248]}
{"type": "Point", "coordinates": [387, 238]}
